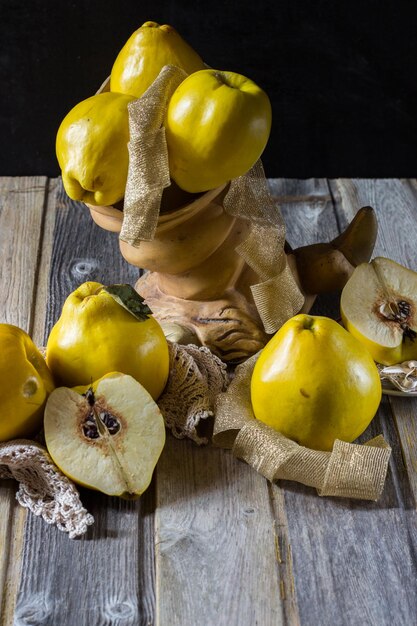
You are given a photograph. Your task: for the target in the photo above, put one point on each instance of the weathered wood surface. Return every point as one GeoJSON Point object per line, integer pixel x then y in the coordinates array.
{"type": "Point", "coordinates": [210, 542]}
{"type": "Point", "coordinates": [24, 227]}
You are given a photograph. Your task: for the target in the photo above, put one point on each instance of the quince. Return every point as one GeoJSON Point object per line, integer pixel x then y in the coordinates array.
{"type": "Point", "coordinates": [96, 334]}
{"type": "Point", "coordinates": [314, 383]}
{"type": "Point", "coordinates": [26, 384]}
{"type": "Point", "coordinates": [107, 436]}
{"type": "Point", "coordinates": [379, 307]}
{"type": "Point", "coordinates": [91, 148]}
{"type": "Point", "coordinates": [144, 55]}
{"type": "Point", "coordinates": [217, 126]}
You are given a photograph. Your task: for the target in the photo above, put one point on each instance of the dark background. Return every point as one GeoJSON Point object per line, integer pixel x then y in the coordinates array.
{"type": "Point", "coordinates": [342, 76]}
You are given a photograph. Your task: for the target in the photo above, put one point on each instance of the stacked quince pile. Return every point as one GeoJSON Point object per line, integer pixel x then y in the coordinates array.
{"type": "Point", "coordinates": [217, 123]}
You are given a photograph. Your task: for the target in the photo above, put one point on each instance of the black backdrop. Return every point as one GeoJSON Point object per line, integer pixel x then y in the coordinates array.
{"type": "Point", "coordinates": [342, 76]}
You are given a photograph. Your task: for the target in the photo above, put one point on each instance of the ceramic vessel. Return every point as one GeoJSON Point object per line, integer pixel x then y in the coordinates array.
{"type": "Point", "coordinates": [197, 285]}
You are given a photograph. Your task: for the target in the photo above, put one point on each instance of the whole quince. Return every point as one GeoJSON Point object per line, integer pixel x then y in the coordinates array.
{"type": "Point", "coordinates": [144, 55]}
{"type": "Point", "coordinates": [217, 126]}
{"type": "Point", "coordinates": [26, 384]}
{"type": "Point", "coordinates": [96, 334]}
{"type": "Point", "coordinates": [91, 147]}
{"type": "Point", "coordinates": [314, 383]}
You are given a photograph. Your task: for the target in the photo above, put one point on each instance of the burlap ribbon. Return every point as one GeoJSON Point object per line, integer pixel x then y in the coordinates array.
{"type": "Point", "coordinates": [356, 471]}
{"type": "Point", "coordinates": [350, 470]}
{"type": "Point", "coordinates": [277, 297]}
{"type": "Point", "coordinates": [148, 173]}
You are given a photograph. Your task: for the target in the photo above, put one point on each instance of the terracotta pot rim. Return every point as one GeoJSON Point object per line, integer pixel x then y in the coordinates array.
{"type": "Point", "coordinates": [168, 217]}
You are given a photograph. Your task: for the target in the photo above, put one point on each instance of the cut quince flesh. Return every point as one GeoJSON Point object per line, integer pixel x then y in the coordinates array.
{"type": "Point", "coordinates": [379, 306]}
{"type": "Point", "coordinates": [106, 437]}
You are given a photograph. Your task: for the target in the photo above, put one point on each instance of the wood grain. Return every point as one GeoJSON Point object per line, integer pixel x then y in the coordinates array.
{"type": "Point", "coordinates": [223, 550]}
{"type": "Point", "coordinates": [308, 211]}
{"type": "Point", "coordinates": [22, 204]}
{"type": "Point", "coordinates": [395, 202]}
{"type": "Point", "coordinates": [354, 562]}
{"type": "Point", "coordinates": [229, 547]}
{"type": "Point", "coordinates": [307, 208]}
{"type": "Point", "coordinates": [216, 541]}
{"type": "Point", "coordinates": [107, 576]}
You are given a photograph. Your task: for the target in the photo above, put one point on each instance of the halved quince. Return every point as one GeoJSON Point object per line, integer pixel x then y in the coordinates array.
{"type": "Point", "coordinates": [107, 436]}
{"type": "Point", "coordinates": [379, 307]}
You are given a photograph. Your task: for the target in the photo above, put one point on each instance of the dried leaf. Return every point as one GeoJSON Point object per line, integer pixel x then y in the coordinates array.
{"type": "Point", "coordinates": [130, 300]}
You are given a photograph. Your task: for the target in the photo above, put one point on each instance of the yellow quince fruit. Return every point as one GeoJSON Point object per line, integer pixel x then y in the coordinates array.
{"type": "Point", "coordinates": [144, 55]}
{"type": "Point", "coordinates": [91, 147]}
{"type": "Point", "coordinates": [106, 329]}
{"type": "Point", "coordinates": [217, 126]}
{"type": "Point", "coordinates": [106, 436]}
{"type": "Point", "coordinates": [26, 383]}
{"type": "Point", "coordinates": [314, 382]}
{"type": "Point", "coordinates": [379, 307]}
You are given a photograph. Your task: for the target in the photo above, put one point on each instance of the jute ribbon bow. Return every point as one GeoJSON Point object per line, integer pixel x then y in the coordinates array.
{"type": "Point", "coordinates": [350, 470]}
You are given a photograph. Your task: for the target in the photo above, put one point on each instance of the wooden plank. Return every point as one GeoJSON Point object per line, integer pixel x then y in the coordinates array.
{"type": "Point", "coordinates": [223, 551]}
{"type": "Point", "coordinates": [216, 541]}
{"type": "Point", "coordinates": [107, 576]}
{"type": "Point", "coordinates": [307, 209]}
{"type": "Point", "coordinates": [22, 203]}
{"type": "Point", "coordinates": [353, 561]}
{"type": "Point", "coordinates": [21, 213]}
{"type": "Point", "coordinates": [309, 215]}
{"type": "Point", "coordinates": [395, 202]}
{"type": "Point", "coordinates": [42, 275]}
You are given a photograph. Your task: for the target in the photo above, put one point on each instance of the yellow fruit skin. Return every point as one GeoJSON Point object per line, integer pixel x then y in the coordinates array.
{"type": "Point", "coordinates": [217, 126]}
{"type": "Point", "coordinates": [405, 351]}
{"type": "Point", "coordinates": [95, 336]}
{"type": "Point", "coordinates": [315, 383]}
{"type": "Point", "coordinates": [82, 389]}
{"type": "Point", "coordinates": [91, 147]}
{"type": "Point", "coordinates": [144, 55]}
{"type": "Point", "coordinates": [26, 384]}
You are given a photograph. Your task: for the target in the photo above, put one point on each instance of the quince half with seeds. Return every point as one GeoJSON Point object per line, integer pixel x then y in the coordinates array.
{"type": "Point", "coordinates": [379, 307]}
{"type": "Point", "coordinates": [107, 436]}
